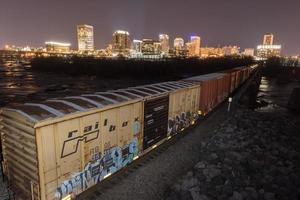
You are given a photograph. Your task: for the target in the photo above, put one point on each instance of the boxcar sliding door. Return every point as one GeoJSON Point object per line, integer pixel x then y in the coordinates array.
{"type": "Point", "coordinates": [155, 120]}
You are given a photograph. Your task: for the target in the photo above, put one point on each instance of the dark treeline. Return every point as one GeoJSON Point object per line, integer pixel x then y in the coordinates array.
{"type": "Point", "coordinates": [163, 69]}
{"type": "Point", "coordinates": [282, 69]}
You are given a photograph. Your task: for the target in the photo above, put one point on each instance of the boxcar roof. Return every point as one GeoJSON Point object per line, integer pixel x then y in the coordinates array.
{"type": "Point", "coordinates": [60, 107]}
{"type": "Point", "coordinates": [206, 77]}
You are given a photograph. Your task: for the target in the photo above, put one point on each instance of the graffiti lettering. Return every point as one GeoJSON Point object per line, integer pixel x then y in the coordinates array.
{"type": "Point", "coordinates": [95, 171]}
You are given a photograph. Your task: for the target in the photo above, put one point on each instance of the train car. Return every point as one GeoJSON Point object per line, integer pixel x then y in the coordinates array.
{"type": "Point", "coordinates": [239, 75]}
{"type": "Point", "coordinates": [212, 90]}
{"type": "Point", "coordinates": [61, 147]}
{"type": "Point", "coordinates": [183, 108]}
{"type": "Point", "coordinates": [233, 74]}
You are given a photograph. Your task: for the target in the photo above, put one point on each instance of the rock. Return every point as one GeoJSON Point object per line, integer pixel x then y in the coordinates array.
{"type": "Point", "coordinates": [190, 174]}
{"type": "Point", "coordinates": [186, 195]}
{"type": "Point", "coordinates": [211, 172]}
{"type": "Point", "coordinates": [195, 194]}
{"type": "Point", "coordinates": [176, 187]}
{"type": "Point", "coordinates": [227, 190]}
{"type": "Point", "coordinates": [269, 196]}
{"type": "Point", "coordinates": [251, 192]}
{"type": "Point", "coordinates": [261, 191]}
{"type": "Point", "coordinates": [233, 155]}
{"type": "Point", "coordinates": [189, 183]}
{"type": "Point", "coordinates": [237, 196]}
{"type": "Point", "coordinates": [229, 130]}
{"type": "Point", "coordinates": [172, 196]}
{"type": "Point", "coordinates": [201, 165]}
{"type": "Point", "coordinates": [213, 156]}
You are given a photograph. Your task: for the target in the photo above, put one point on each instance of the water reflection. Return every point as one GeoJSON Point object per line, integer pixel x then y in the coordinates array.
{"type": "Point", "coordinates": [19, 84]}
{"type": "Point", "coordinates": [276, 95]}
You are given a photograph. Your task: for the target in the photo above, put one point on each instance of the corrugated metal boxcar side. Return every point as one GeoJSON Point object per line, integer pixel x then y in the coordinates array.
{"type": "Point", "coordinates": [62, 147]}
{"type": "Point", "coordinates": [20, 154]}
{"type": "Point", "coordinates": [92, 146]}
{"type": "Point", "coordinates": [212, 90]}
{"type": "Point", "coordinates": [183, 109]}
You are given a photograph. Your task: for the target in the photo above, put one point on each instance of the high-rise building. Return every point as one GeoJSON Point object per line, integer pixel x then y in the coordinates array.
{"type": "Point", "coordinates": [179, 50]}
{"type": "Point", "coordinates": [195, 46]}
{"type": "Point", "coordinates": [137, 46]}
{"type": "Point", "coordinates": [164, 40]}
{"type": "Point", "coordinates": [178, 43]}
{"type": "Point", "coordinates": [151, 47]}
{"type": "Point", "coordinates": [57, 47]}
{"type": "Point", "coordinates": [248, 52]}
{"type": "Point", "coordinates": [121, 42]}
{"type": "Point", "coordinates": [211, 52]}
{"type": "Point", "coordinates": [268, 39]}
{"type": "Point", "coordinates": [231, 50]}
{"type": "Point", "coordinates": [268, 49]}
{"type": "Point", "coordinates": [85, 36]}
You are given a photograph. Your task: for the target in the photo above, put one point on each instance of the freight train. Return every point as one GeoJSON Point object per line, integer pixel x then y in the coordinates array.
{"type": "Point", "coordinates": [61, 147]}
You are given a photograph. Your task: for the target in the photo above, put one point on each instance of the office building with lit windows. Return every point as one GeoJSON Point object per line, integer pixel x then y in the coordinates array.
{"type": "Point", "coordinates": [57, 47]}
{"type": "Point", "coordinates": [231, 50]}
{"type": "Point", "coordinates": [151, 49]}
{"type": "Point", "coordinates": [165, 46]}
{"type": "Point", "coordinates": [137, 46]}
{"type": "Point", "coordinates": [248, 52]}
{"type": "Point", "coordinates": [268, 48]}
{"type": "Point", "coordinates": [85, 36]}
{"type": "Point", "coordinates": [121, 43]}
{"type": "Point", "coordinates": [194, 46]}
{"type": "Point", "coordinates": [268, 39]}
{"type": "Point", "coordinates": [178, 43]}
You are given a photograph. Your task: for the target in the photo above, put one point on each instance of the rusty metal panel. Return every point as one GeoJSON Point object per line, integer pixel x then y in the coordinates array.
{"type": "Point", "coordinates": [155, 120]}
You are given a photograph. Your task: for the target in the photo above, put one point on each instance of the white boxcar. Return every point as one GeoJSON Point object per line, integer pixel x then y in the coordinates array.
{"type": "Point", "coordinates": [62, 147]}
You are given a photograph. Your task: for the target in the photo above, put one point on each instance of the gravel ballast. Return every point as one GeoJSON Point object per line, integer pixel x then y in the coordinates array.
{"type": "Point", "coordinates": [252, 155]}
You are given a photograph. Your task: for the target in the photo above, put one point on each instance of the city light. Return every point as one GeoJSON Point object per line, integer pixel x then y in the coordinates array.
{"type": "Point", "coordinates": [122, 32]}
{"type": "Point", "coordinates": [58, 44]}
{"type": "Point", "coordinates": [122, 45]}
{"type": "Point", "coordinates": [269, 47]}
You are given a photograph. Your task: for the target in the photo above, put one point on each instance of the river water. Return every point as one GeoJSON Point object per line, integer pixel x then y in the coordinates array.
{"type": "Point", "coordinates": [275, 94]}
{"type": "Point", "coordinates": [19, 84]}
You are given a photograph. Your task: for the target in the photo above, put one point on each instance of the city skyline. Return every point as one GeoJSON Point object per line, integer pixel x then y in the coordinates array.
{"type": "Point", "coordinates": [33, 23]}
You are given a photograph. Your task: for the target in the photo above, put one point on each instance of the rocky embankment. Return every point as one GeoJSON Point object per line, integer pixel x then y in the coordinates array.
{"type": "Point", "coordinates": [252, 156]}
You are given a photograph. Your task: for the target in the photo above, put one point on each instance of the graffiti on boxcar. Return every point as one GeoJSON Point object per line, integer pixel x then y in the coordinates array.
{"type": "Point", "coordinates": [71, 146]}
{"type": "Point", "coordinates": [101, 166]}
{"type": "Point", "coordinates": [181, 121]}
{"type": "Point", "coordinates": [95, 171]}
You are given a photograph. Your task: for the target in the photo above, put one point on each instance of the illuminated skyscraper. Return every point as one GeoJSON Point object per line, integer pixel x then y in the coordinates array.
{"type": "Point", "coordinates": [121, 42]}
{"type": "Point", "coordinates": [268, 49]}
{"type": "Point", "coordinates": [85, 36]}
{"type": "Point", "coordinates": [164, 40]}
{"type": "Point", "coordinates": [137, 46]}
{"type": "Point", "coordinates": [268, 39]}
{"type": "Point", "coordinates": [249, 52]}
{"type": "Point", "coordinates": [194, 46]}
{"type": "Point", "coordinates": [178, 44]}
{"type": "Point", "coordinates": [151, 47]}
{"type": "Point", "coordinates": [231, 50]}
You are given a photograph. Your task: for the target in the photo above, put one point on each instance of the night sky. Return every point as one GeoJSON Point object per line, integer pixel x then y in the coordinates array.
{"type": "Point", "coordinates": [218, 22]}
